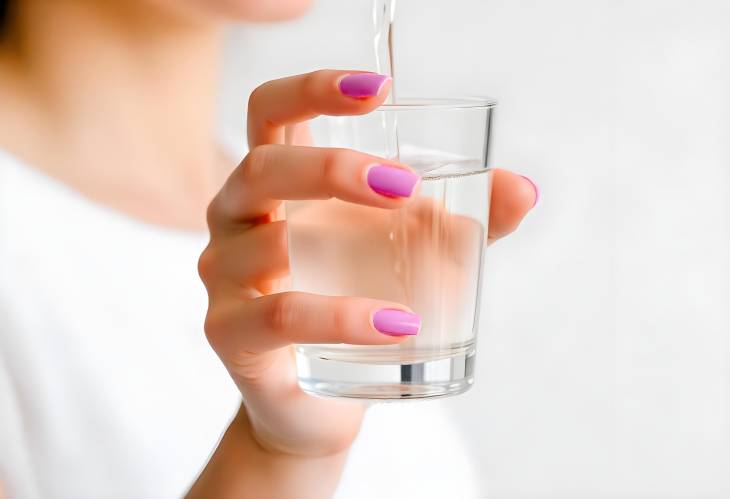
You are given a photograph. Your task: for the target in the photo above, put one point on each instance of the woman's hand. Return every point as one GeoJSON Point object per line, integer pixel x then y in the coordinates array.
{"type": "Point", "coordinates": [252, 329]}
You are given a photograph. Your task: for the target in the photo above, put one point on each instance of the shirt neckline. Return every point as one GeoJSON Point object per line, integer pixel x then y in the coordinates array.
{"type": "Point", "coordinates": [106, 211]}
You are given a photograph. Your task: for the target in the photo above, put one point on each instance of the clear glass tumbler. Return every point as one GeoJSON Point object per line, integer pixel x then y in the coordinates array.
{"type": "Point", "coordinates": [427, 255]}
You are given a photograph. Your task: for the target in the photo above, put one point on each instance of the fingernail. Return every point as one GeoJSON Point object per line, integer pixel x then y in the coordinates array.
{"type": "Point", "coordinates": [396, 322]}
{"type": "Point", "coordinates": [392, 181]}
{"type": "Point", "coordinates": [363, 85]}
{"type": "Point", "coordinates": [534, 186]}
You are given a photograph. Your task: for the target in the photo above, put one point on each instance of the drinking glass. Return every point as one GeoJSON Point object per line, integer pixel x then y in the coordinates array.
{"type": "Point", "coordinates": [427, 255]}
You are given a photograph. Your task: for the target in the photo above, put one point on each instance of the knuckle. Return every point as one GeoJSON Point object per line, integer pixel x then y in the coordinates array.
{"type": "Point", "coordinates": [329, 163]}
{"type": "Point", "coordinates": [214, 327]}
{"type": "Point", "coordinates": [206, 264]}
{"type": "Point", "coordinates": [284, 312]}
{"type": "Point", "coordinates": [340, 319]}
{"type": "Point", "coordinates": [311, 83]}
{"type": "Point", "coordinates": [254, 163]}
{"type": "Point", "coordinates": [211, 213]}
{"type": "Point", "coordinates": [330, 167]}
{"type": "Point", "coordinates": [255, 96]}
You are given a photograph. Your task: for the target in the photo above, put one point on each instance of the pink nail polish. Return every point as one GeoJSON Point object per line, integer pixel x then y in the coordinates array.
{"type": "Point", "coordinates": [392, 181]}
{"type": "Point", "coordinates": [534, 186]}
{"type": "Point", "coordinates": [363, 85]}
{"type": "Point", "coordinates": [396, 322]}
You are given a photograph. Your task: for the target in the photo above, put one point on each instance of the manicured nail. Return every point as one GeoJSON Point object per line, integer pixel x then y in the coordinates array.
{"type": "Point", "coordinates": [363, 85]}
{"type": "Point", "coordinates": [396, 322]}
{"type": "Point", "coordinates": [534, 186]}
{"type": "Point", "coordinates": [392, 181]}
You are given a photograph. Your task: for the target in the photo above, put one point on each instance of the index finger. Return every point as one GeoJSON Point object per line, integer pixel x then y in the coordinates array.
{"type": "Point", "coordinates": [294, 99]}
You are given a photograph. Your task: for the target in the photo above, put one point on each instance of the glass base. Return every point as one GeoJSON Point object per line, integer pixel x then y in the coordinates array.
{"type": "Point", "coordinates": [442, 377]}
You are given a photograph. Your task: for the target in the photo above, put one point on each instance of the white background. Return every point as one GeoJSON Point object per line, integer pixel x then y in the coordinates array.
{"type": "Point", "coordinates": [603, 363]}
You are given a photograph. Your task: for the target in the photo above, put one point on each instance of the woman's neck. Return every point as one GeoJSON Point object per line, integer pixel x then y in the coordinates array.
{"type": "Point", "coordinates": [118, 101]}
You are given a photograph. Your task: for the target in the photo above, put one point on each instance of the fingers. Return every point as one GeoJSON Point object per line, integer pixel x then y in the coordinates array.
{"type": "Point", "coordinates": [294, 99]}
{"type": "Point", "coordinates": [274, 321]}
{"type": "Point", "coordinates": [260, 253]}
{"type": "Point", "coordinates": [272, 173]}
{"type": "Point", "coordinates": [512, 197]}
{"type": "Point", "coordinates": [246, 258]}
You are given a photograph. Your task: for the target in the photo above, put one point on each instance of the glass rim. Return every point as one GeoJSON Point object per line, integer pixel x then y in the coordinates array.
{"type": "Point", "coordinates": [426, 103]}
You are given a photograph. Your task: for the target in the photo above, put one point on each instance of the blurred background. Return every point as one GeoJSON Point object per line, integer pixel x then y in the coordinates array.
{"type": "Point", "coordinates": [603, 361]}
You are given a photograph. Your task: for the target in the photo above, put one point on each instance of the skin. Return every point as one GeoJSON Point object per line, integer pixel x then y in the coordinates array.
{"type": "Point", "coordinates": [252, 331]}
{"type": "Point", "coordinates": [67, 66]}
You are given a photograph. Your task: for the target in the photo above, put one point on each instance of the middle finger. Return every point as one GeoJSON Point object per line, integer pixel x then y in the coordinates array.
{"type": "Point", "coordinates": [272, 173]}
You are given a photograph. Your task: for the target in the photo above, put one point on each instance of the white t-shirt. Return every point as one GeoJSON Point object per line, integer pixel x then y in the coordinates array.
{"type": "Point", "coordinates": [108, 387]}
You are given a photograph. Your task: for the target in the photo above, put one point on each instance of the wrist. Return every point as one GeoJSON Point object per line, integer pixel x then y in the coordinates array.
{"type": "Point", "coordinates": [242, 467]}
{"type": "Point", "coordinates": [270, 445]}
